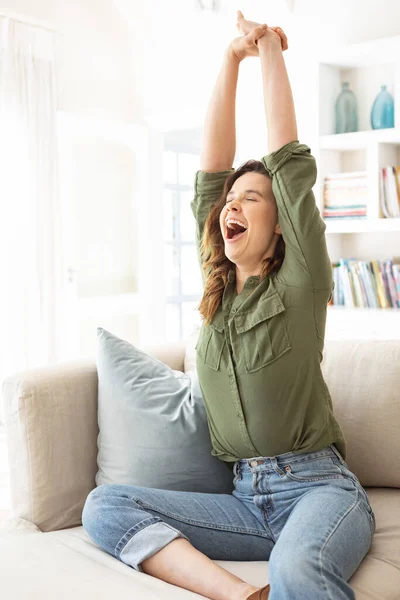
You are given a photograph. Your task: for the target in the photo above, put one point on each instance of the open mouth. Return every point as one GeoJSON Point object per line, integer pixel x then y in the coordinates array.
{"type": "Point", "coordinates": [234, 231]}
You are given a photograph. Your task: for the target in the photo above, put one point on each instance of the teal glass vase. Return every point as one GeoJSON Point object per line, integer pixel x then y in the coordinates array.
{"type": "Point", "coordinates": [346, 118]}
{"type": "Point", "coordinates": [382, 112]}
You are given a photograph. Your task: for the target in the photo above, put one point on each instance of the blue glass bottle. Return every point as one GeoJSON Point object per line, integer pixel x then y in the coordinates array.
{"type": "Point", "coordinates": [382, 113]}
{"type": "Point", "coordinates": [346, 118]}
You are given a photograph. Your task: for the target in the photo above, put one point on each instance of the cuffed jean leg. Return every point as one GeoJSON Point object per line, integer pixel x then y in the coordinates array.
{"type": "Point", "coordinates": [105, 517]}
{"type": "Point", "coordinates": [148, 541]}
{"type": "Point", "coordinates": [132, 523]}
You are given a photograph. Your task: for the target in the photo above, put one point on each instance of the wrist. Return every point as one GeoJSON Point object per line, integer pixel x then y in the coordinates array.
{"type": "Point", "coordinates": [269, 42]}
{"type": "Point", "coordinates": [232, 55]}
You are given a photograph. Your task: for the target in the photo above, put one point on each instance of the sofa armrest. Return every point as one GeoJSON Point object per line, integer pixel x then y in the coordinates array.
{"type": "Point", "coordinates": [50, 416]}
{"type": "Point", "coordinates": [51, 424]}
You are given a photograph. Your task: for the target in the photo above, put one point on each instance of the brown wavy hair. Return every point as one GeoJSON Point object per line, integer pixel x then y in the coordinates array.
{"type": "Point", "coordinates": [215, 264]}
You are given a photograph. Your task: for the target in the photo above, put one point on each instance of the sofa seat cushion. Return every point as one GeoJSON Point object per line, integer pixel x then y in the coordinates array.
{"type": "Point", "coordinates": [67, 564]}
{"type": "Point", "coordinates": [41, 566]}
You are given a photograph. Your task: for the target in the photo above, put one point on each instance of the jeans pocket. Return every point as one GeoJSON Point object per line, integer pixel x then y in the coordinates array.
{"type": "Point", "coordinates": [317, 469]}
{"type": "Point", "coordinates": [350, 475]}
{"type": "Point", "coordinates": [367, 505]}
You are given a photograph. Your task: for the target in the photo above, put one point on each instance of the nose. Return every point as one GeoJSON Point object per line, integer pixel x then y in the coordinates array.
{"type": "Point", "coordinates": [234, 209]}
{"type": "Point", "coordinates": [233, 206]}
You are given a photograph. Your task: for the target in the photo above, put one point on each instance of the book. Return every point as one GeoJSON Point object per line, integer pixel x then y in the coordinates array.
{"type": "Point", "coordinates": [345, 195]}
{"type": "Point", "coordinates": [389, 183]}
{"type": "Point", "coordinates": [382, 185]}
{"type": "Point", "coordinates": [380, 283]}
{"type": "Point", "coordinates": [366, 284]}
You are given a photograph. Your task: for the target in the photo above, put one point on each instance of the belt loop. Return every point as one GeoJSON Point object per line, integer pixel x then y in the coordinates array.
{"type": "Point", "coordinates": [276, 467]}
{"type": "Point", "coordinates": [337, 454]}
{"type": "Point", "coordinates": [236, 470]}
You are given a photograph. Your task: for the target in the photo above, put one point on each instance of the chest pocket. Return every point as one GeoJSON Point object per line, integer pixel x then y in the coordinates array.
{"type": "Point", "coordinates": [263, 332]}
{"type": "Point", "coordinates": [211, 342]}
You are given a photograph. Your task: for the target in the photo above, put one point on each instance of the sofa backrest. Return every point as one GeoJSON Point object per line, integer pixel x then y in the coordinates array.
{"type": "Point", "coordinates": [363, 378]}
{"type": "Point", "coordinates": [51, 424]}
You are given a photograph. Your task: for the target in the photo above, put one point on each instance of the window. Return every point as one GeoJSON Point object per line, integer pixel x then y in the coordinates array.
{"type": "Point", "coordinates": [183, 283]}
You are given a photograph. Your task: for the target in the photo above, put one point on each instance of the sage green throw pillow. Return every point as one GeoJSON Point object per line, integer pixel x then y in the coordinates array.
{"type": "Point", "coordinates": [153, 429]}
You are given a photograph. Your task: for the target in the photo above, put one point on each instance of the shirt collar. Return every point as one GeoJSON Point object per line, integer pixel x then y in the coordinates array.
{"type": "Point", "coordinates": [232, 277]}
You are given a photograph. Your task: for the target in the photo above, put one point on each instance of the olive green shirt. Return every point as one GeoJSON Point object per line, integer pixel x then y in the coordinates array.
{"type": "Point", "coordinates": [258, 361]}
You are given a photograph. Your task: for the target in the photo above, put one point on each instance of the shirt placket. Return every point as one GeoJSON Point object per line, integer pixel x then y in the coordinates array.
{"type": "Point", "coordinates": [230, 307]}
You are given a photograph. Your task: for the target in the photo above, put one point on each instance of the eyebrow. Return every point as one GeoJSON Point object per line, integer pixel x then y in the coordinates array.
{"type": "Point", "coordinates": [247, 192]}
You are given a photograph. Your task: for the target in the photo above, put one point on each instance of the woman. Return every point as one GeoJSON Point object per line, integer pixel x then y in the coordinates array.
{"type": "Point", "coordinates": [267, 281]}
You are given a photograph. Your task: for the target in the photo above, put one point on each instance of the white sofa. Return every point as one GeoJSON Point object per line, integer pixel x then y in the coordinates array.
{"type": "Point", "coordinates": [51, 428]}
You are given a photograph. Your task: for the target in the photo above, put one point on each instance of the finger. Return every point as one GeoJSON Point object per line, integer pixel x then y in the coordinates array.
{"type": "Point", "coordinates": [283, 37]}
{"type": "Point", "coordinates": [258, 32]}
{"type": "Point", "coordinates": [279, 31]}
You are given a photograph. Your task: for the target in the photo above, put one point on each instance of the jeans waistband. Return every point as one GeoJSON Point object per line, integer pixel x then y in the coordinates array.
{"type": "Point", "coordinates": [269, 463]}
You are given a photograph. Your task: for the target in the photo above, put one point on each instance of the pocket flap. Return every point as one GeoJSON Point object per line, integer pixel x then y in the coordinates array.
{"type": "Point", "coordinates": [217, 321]}
{"type": "Point", "coordinates": [266, 308]}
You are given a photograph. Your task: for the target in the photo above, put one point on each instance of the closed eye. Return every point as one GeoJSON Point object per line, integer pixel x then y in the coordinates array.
{"type": "Point", "coordinates": [253, 199]}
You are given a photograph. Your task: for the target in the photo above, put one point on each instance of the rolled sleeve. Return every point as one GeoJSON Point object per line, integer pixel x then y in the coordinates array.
{"type": "Point", "coordinates": [208, 187]}
{"type": "Point", "coordinates": [293, 171]}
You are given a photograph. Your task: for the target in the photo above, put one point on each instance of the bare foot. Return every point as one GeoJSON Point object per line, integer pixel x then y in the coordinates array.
{"type": "Point", "coordinates": [247, 591]}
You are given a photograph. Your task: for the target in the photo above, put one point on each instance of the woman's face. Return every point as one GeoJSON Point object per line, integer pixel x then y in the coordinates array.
{"type": "Point", "coordinates": [257, 210]}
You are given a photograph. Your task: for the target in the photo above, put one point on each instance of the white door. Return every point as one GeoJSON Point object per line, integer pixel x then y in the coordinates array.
{"type": "Point", "coordinates": [103, 170]}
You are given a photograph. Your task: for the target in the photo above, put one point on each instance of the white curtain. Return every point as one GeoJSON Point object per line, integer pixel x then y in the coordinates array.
{"type": "Point", "coordinates": [30, 232]}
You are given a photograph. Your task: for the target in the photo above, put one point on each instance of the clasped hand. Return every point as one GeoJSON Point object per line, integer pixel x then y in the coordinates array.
{"type": "Point", "coordinates": [247, 44]}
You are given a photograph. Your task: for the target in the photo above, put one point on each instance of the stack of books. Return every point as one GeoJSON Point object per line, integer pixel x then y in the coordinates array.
{"type": "Point", "coordinates": [345, 195]}
{"type": "Point", "coordinates": [389, 179]}
{"type": "Point", "coordinates": [366, 284]}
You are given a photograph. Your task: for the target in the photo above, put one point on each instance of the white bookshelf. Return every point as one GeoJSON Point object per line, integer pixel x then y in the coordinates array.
{"type": "Point", "coordinates": [366, 66]}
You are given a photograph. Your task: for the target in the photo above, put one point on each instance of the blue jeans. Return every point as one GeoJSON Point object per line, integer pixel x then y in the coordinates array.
{"type": "Point", "coordinates": [307, 514]}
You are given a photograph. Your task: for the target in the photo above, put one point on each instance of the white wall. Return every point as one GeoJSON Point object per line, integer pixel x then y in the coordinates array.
{"type": "Point", "coordinates": [346, 21]}
{"type": "Point", "coordinates": [157, 61]}
{"type": "Point", "coordinates": [179, 49]}
{"type": "Point", "coordinates": [95, 54]}
{"type": "Point", "coordinates": [127, 58]}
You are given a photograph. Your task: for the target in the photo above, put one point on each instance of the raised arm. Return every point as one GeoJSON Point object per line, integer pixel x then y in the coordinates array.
{"type": "Point", "coordinates": [278, 98]}
{"type": "Point", "coordinates": [218, 144]}
{"type": "Point", "coordinates": [293, 171]}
